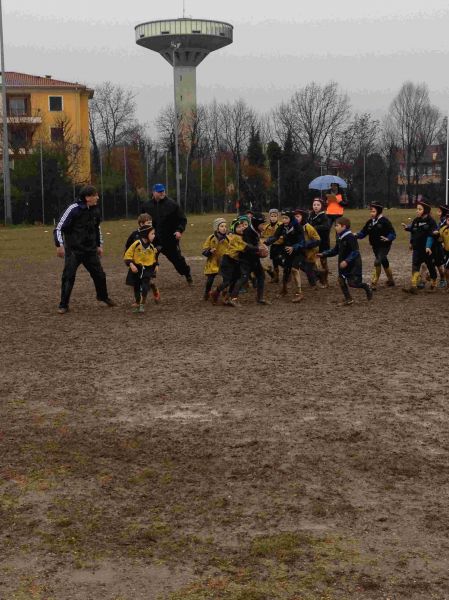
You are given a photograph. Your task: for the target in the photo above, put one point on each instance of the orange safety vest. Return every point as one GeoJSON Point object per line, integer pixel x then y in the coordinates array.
{"type": "Point", "coordinates": [334, 206]}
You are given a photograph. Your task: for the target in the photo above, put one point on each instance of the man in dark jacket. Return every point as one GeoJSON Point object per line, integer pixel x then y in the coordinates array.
{"type": "Point", "coordinates": [170, 222]}
{"type": "Point", "coordinates": [78, 240]}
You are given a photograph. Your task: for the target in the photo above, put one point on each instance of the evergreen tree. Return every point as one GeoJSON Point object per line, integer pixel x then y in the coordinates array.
{"type": "Point", "coordinates": [289, 173]}
{"type": "Point", "coordinates": [274, 154]}
{"type": "Point", "coordinates": [256, 156]}
{"type": "Point", "coordinates": [26, 186]}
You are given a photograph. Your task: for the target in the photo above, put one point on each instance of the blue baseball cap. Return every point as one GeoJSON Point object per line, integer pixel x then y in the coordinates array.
{"type": "Point", "coordinates": [158, 187]}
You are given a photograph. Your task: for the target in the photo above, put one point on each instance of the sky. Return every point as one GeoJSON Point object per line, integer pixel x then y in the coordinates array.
{"type": "Point", "coordinates": [370, 48]}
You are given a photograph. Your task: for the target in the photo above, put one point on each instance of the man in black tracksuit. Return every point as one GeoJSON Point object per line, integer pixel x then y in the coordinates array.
{"type": "Point", "coordinates": [78, 240]}
{"type": "Point", "coordinates": [349, 261]}
{"type": "Point", "coordinates": [170, 222]}
{"type": "Point", "coordinates": [381, 235]}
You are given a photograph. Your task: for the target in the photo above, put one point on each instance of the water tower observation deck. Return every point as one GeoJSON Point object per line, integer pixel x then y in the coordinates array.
{"type": "Point", "coordinates": [196, 39]}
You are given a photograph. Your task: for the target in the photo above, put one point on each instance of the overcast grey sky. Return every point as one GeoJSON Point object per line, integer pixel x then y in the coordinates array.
{"type": "Point", "coordinates": [369, 49]}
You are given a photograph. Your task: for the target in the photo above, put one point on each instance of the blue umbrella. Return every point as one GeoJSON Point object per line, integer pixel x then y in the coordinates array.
{"type": "Point", "coordinates": [324, 182]}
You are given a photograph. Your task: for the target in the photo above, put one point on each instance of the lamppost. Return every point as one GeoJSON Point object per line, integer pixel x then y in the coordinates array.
{"type": "Point", "coordinates": [364, 178]}
{"type": "Point", "coordinates": [101, 186]}
{"type": "Point", "coordinates": [447, 160]}
{"type": "Point", "coordinates": [175, 46]}
{"type": "Point", "coordinates": [279, 184]}
{"type": "Point", "coordinates": [6, 178]}
{"type": "Point", "coordinates": [125, 165]}
{"type": "Point", "coordinates": [42, 183]}
{"type": "Point", "coordinates": [166, 172]}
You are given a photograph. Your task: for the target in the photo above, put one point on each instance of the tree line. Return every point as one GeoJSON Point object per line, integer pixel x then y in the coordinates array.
{"type": "Point", "coordinates": [232, 157]}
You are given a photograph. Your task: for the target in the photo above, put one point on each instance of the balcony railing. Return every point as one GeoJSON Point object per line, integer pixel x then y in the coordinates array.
{"type": "Point", "coordinates": [23, 117]}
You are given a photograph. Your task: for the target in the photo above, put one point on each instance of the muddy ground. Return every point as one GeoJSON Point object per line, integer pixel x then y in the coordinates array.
{"type": "Point", "coordinates": [295, 452]}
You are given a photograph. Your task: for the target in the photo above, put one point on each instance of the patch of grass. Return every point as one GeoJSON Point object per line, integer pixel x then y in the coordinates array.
{"type": "Point", "coordinates": [31, 589]}
{"type": "Point", "coordinates": [143, 476]}
{"type": "Point", "coordinates": [283, 547]}
{"type": "Point", "coordinates": [75, 529]}
{"type": "Point", "coordinates": [283, 566]}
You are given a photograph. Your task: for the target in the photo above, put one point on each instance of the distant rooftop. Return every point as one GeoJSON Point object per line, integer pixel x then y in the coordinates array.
{"type": "Point", "coordinates": [14, 79]}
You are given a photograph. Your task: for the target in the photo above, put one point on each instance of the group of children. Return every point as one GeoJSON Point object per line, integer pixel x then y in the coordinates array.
{"type": "Point", "coordinates": [429, 243]}
{"type": "Point", "coordinates": [300, 241]}
{"type": "Point", "coordinates": [294, 241]}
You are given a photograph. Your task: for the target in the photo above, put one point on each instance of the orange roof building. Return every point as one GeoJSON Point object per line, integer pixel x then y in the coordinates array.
{"type": "Point", "coordinates": [51, 111]}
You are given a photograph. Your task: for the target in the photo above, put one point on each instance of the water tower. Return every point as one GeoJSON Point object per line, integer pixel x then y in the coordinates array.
{"type": "Point", "coordinates": [184, 43]}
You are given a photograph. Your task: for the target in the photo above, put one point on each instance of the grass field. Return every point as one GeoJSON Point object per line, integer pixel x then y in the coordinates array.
{"type": "Point", "coordinates": [195, 452]}
{"type": "Point", "coordinates": [35, 242]}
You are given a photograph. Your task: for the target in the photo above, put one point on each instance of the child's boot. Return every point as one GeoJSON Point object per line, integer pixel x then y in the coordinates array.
{"type": "Point", "coordinates": [136, 302]}
{"type": "Point", "coordinates": [413, 288]}
{"type": "Point", "coordinates": [141, 308]}
{"type": "Point", "coordinates": [433, 285]}
{"type": "Point", "coordinates": [261, 299]}
{"type": "Point", "coordinates": [156, 295]}
{"type": "Point", "coordinates": [324, 273]}
{"type": "Point", "coordinates": [138, 306]}
{"type": "Point", "coordinates": [270, 272]}
{"type": "Point", "coordinates": [228, 301]}
{"type": "Point", "coordinates": [322, 277]}
{"type": "Point", "coordinates": [344, 288]}
{"type": "Point", "coordinates": [375, 276]}
{"type": "Point", "coordinates": [299, 296]}
{"type": "Point", "coordinates": [369, 292]}
{"type": "Point", "coordinates": [390, 278]}
{"type": "Point", "coordinates": [215, 296]}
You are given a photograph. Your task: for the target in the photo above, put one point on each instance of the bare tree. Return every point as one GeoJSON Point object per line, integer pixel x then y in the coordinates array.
{"type": "Point", "coordinates": [235, 123]}
{"type": "Point", "coordinates": [388, 147]}
{"type": "Point", "coordinates": [313, 115]}
{"type": "Point", "coordinates": [415, 122]}
{"type": "Point", "coordinates": [212, 139]}
{"type": "Point", "coordinates": [359, 138]}
{"type": "Point", "coordinates": [68, 143]}
{"type": "Point", "coordinates": [112, 115]}
{"type": "Point", "coordinates": [165, 125]}
{"type": "Point", "coordinates": [426, 135]}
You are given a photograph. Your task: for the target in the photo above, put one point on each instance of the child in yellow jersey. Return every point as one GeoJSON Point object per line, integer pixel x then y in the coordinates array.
{"type": "Point", "coordinates": [141, 258]}
{"type": "Point", "coordinates": [311, 244]}
{"type": "Point", "coordinates": [276, 248]}
{"type": "Point", "coordinates": [230, 263]}
{"type": "Point", "coordinates": [213, 249]}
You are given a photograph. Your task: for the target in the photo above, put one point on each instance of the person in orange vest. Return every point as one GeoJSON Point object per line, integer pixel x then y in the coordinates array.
{"type": "Point", "coordinates": [335, 203]}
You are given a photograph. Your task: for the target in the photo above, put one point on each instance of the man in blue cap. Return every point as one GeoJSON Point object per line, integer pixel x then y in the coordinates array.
{"type": "Point", "coordinates": [170, 222]}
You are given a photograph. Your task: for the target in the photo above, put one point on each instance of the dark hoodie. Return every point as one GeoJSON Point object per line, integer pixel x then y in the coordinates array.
{"type": "Point", "coordinates": [347, 249]}
{"type": "Point", "coordinates": [422, 232]}
{"type": "Point", "coordinates": [292, 234]}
